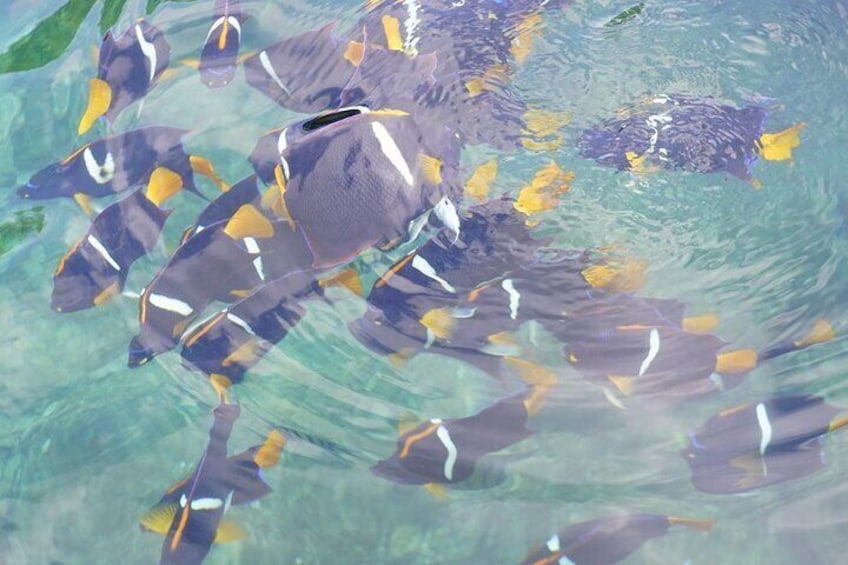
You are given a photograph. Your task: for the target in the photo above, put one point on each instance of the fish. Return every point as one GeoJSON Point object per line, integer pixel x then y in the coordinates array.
{"type": "Point", "coordinates": [685, 133]}
{"type": "Point", "coordinates": [355, 179]}
{"type": "Point", "coordinates": [129, 66]}
{"type": "Point", "coordinates": [608, 540]}
{"type": "Point", "coordinates": [95, 269]}
{"type": "Point", "coordinates": [220, 53]}
{"type": "Point", "coordinates": [222, 208]}
{"type": "Point", "coordinates": [223, 262]}
{"type": "Point", "coordinates": [191, 514]}
{"type": "Point", "coordinates": [440, 452]}
{"type": "Point", "coordinates": [757, 444]}
{"type": "Point", "coordinates": [116, 164]}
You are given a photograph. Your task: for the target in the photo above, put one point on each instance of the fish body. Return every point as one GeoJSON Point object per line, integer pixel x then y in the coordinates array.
{"type": "Point", "coordinates": [222, 208]}
{"type": "Point", "coordinates": [606, 540]}
{"type": "Point", "coordinates": [129, 66]}
{"type": "Point", "coordinates": [97, 266]}
{"type": "Point", "coordinates": [446, 451]}
{"type": "Point", "coordinates": [760, 443]}
{"type": "Point", "coordinates": [191, 514]}
{"type": "Point", "coordinates": [220, 51]}
{"type": "Point", "coordinates": [223, 262]}
{"type": "Point", "coordinates": [679, 133]}
{"type": "Point", "coordinates": [113, 164]}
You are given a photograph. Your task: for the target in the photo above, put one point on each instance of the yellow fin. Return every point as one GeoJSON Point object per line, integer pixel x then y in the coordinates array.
{"type": "Point", "coordinates": [636, 161]}
{"type": "Point", "coordinates": [437, 491]}
{"type": "Point", "coordinates": [483, 176]}
{"type": "Point", "coordinates": [221, 384]}
{"type": "Point", "coordinates": [522, 44]}
{"type": "Point", "coordinates": [837, 424]}
{"type": "Point", "coordinates": [532, 144]}
{"type": "Point", "coordinates": [203, 166]}
{"type": "Point", "coordinates": [347, 278]}
{"type": "Point", "coordinates": [354, 53]}
{"type": "Point", "coordinates": [99, 99]}
{"type": "Point", "coordinates": [388, 112]}
{"type": "Point", "coordinates": [399, 358]}
{"type": "Point", "coordinates": [391, 27]}
{"type": "Point", "coordinates": [703, 525]}
{"type": "Point", "coordinates": [107, 294]}
{"type": "Point", "coordinates": [406, 424]}
{"type": "Point", "coordinates": [822, 332]}
{"type": "Point", "coordinates": [543, 192]}
{"type": "Point", "coordinates": [159, 518]}
{"type": "Point", "coordinates": [162, 185]}
{"type": "Point", "coordinates": [246, 353]}
{"type": "Point", "coordinates": [619, 276]}
{"type": "Point", "coordinates": [268, 453]}
{"type": "Point", "coordinates": [440, 322]}
{"type": "Point", "coordinates": [737, 361]}
{"type": "Point", "coordinates": [192, 63]}
{"type": "Point", "coordinates": [475, 86]}
{"type": "Point", "coordinates": [624, 384]}
{"type": "Point", "coordinates": [229, 531]}
{"type": "Point", "coordinates": [431, 168]}
{"type": "Point", "coordinates": [249, 222]}
{"type": "Point", "coordinates": [84, 202]}
{"type": "Point", "coordinates": [700, 324]}
{"type": "Point", "coordinates": [532, 373]}
{"type": "Point", "coordinates": [543, 123]}
{"type": "Point", "coordinates": [778, 146]}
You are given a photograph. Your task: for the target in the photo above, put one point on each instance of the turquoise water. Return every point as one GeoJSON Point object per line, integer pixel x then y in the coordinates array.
{"type": "Point", "coordinates": [88, 445]}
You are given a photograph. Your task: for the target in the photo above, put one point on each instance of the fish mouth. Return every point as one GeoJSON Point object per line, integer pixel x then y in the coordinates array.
{"type": "Point", "coordinates": [138, 354]}
{"type": "Point", "coordinates": [392, 470]}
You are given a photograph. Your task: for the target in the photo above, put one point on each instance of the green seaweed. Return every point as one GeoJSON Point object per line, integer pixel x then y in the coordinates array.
{"type": "Point", "coordinates": [15, 230]}
{"type": "Point", "coordinates": [153, 4]}
{"type": "Point", "coordinates": [111, 12]}
{"type": "Point", "coordinates": [47, 40]}
{"type": "Point", "coordinates": [626, 16]}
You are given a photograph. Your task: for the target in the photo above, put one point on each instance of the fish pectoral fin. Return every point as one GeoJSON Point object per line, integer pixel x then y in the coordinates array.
{"type": "Point", "coordinates": [543, 192]}
{"type": "Point", "coordinates": [431, 168]}
{"type": "Point", "coordinates": [229, 531]}
{"type": "Point", "coordinates": [249, 222]}
{"type": "Point", "coordinates": [624, 383]}
{"type": "Point", "coordinates": [84, 202]}
{"type": "Point", "coordinates": [269, 452]}
{"type": "Point", "coordinates": [778, 146]}
{"type": "Point", "coordinates": [203, 166]}
{"type": "Point", "coordinates": [159, 518]}
{"type": "Point", "coordinates": [191, 63]}
{"type": "Point", "coordinates": [162, 185]}
{"type": "Point", "coordinates": [437, 491]}
{"type": "Point", "coordinates": [348, 278]}
{"type": "Point", "coordinates": [439, 322]}
{"type": "Point", "coordinates": [479, 183]}
{"type": "Point", "coordinates": [99, 100]}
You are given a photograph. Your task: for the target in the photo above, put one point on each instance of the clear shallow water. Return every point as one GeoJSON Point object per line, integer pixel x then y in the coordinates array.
{"type": "Point", "coordinates": [89, 445]}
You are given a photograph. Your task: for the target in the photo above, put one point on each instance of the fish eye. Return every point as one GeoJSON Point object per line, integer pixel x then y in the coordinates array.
{"type": "Point", "coordinates": [332, 117]}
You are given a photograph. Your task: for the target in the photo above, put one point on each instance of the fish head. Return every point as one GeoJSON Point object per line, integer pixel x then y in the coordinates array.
{"type": "Point", "coordinates": [75, 287]}
{"type": "Point", "coordinates": [393, 469]}
{"type": "Point", "coordinates": [53, 181]}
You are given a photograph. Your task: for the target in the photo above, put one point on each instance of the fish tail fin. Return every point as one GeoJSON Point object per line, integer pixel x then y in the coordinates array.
{"type": "Point", "coordinates": [162, 185]}
{"type": "Point", "coordinates": [99, 100]}
{"type": "Point", "coordinates": [543, 192]}
{"type": "Point", "coordinates": [778, 146]}
{"type": "Point", "coordinates": [702, 525]}
{"type": "Point", "coordinates": [203, 166]}
{"type": "Point", "coordinates": [821, 332]}
{"type": "Point", "coordinates": [739, 361]}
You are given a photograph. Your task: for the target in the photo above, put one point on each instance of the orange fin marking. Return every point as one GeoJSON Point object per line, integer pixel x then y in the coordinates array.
{"type": "Point", "coordinates": [411, 440]}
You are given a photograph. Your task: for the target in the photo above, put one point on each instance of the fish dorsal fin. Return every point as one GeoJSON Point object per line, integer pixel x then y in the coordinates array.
{"type": "Point", "coordinates": [347, 278]}
{"type": "Point", "coordinates": [778, 146]}
{"type": "Point", "coordinates": [249, 222]}
{"type": "Point", "coordinates": [479, 183]}
{"type": "Point", "coordinates": [440, 322]}
{"type": "Point", "coordinates": [229, 531]}
{"type": "Point", "coordinates": [431, 168]}
{"type": "Point", "coordinates": [159, 518]}
{"type": "Point", "coordinates": [268, 453]}
{"type": "Point", "coordinates": [543, 192]}
{"type": "Point", "coordinates": [99, 100]}
{"type": "Point", "coordinates": [162, 185]}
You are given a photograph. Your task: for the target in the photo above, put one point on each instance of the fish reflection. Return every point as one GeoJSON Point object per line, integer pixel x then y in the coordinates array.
{"type": "Point", "coordinates": [689, 134]}
{"type": "Point", "coordinates": [191, 514]}
{"type": "Point", "coordinates": [607, 540]}
{"type": "Point", "coordinates": [758, 444]}
{"type": "Point", "coordinates": [129, 66]}
{"type": "Point", "coordinates": [116, 164]}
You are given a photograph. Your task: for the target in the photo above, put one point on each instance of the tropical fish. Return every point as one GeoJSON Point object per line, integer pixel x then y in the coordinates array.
{"type": "Point", "coordinates": [129, 66]}
{"type": "Point", "coordinates": [191, 513]}
{"type": "Point", "coordinates": [761, 443]}
{"type": "Point", "coordinates": [224, 262]}
{"type": "Point", "coordinates": [116, 164]}
{"type": "Point", "coordinates": [246, 191]}
{"type": "Point", "coordinates": [688, 134]}
{"type": "Point", "coordinates": [607, 540]}
{"type": "Point", "coordinates": [446, 451]}
{"type": "Point", "coordinates": [219, 55]}
{"type": "Point", "coordinates": [96, 267]}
